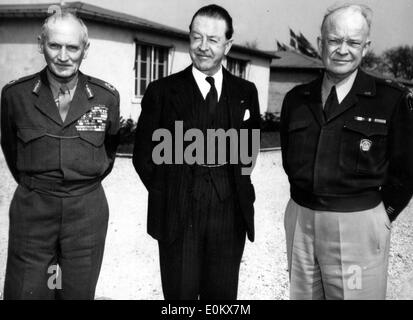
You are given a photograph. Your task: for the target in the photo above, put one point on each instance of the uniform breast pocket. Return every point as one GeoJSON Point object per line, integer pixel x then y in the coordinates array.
{"type": "Point", "coordinates": [297, 136]}
{"type": "Point", "coordinates": [363, 147]}
{"type": "Point", "coordinates": [88, 152]}
{"type": "Point", "coordinates": [35, 150]}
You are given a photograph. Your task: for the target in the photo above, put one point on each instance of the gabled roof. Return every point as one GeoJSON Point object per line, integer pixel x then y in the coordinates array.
{"type": "Point", "coordinates": [294, 60]}
{"type": "Point", "coordinates": [90, 12]}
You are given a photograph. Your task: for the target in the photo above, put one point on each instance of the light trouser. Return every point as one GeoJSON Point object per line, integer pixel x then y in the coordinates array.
{"type": "Point", "coordinates": [337, 255]}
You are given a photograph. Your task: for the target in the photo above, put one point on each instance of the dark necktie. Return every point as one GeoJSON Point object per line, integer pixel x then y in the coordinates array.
{"type": "Point", "coordinates": [211, 98]}
{"type": "Point", "coordinates": [331, 103]}
{"type": "Point", "coordinates": [64, 101]}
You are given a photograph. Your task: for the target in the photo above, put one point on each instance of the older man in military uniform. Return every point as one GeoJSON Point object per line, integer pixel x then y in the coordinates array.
{"type": "Point", "coordinates": [59, 134]}
{"type": "Point", "coordinates": [347, 142]}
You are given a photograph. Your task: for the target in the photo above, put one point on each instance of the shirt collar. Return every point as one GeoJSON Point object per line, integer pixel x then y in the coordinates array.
{"type": "Point", "coordinates": [203, 85]}
{"type": "Point", "coordinates": [342, 88]}
{"type": "Point", "coordinates": [55, 84]}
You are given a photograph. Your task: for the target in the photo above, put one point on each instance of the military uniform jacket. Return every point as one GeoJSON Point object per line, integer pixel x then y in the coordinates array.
{"type": "Point", "coordinates": [37, 144]}
{"type": "Point", "coordinates": [360, 156]}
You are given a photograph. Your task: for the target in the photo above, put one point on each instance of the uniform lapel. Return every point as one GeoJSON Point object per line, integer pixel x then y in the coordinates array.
{"type": "Point", "coordinates": [363, 85]}
{"type": "Point", "coordinates": [45, 102]}
{"type": "Point", "coordinates": [80, 104]}
{"type": "Point", "coordinates": [313, 92]}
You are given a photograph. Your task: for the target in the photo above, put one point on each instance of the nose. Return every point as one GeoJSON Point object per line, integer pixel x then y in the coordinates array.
{"type": "Point", "coordinates": [63, 56]}
{"type": "Point", "coordinates": [343, 48]}
{"type": "Point", "coordinates": [203, 45]}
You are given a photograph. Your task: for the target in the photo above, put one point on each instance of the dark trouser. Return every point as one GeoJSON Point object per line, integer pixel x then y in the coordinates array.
{"type": "Point", "coordinates": [46, 231]}
{"type": "Point", "coordinates": [204, 263]}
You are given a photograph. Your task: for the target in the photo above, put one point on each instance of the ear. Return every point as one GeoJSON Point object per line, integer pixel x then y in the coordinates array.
{"type": "Point", "coordinates": [228, 45]}
{"type": "Point", "coordinates": [86, 50]}
{"type": "Point", "coordinates": [40, 45]}
{"type": "Point", "coordinates": [366, 48]}
{"type": "Point", "coordinates": [320, 45]}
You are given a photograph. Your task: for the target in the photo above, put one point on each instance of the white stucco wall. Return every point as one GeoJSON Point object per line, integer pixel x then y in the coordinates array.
{"type": "Point", "coordinates": [260, 75]}
{"type": "Point", "coordinates": [19, 55]}
{"type": "Point", "coordinates": [111, 58]}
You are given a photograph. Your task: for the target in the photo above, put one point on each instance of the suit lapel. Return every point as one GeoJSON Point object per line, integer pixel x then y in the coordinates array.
{"type": "Point", "coordinates": [45, 101]}
{"type": "Point", "coordinates": [182, 98]}
{"type": "Point", "coordinates": [233, 99]}
{"type": "Point", "coordinates": [80, 103]}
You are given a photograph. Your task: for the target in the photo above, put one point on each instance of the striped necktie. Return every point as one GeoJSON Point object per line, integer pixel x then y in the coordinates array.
{"type": "Point", "coordinates": [212, 98]}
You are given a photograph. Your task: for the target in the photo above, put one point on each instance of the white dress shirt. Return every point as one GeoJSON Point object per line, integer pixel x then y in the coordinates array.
{"type": "Point", "coordinates": [342, 88]}
{"type": "Point", "coordinates": [203, 85]}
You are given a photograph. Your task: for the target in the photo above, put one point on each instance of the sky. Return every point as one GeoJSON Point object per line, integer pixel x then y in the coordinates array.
{"type": "Point", "coordinates": [266, 21]}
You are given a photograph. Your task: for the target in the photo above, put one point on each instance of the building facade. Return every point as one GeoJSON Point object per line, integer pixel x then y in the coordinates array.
{"type": "Point", "coordinates": [127, 51]}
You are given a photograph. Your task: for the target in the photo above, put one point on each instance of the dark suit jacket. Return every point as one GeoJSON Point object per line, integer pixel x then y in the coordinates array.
{"type": "Point", "coordinates": [168, 100]}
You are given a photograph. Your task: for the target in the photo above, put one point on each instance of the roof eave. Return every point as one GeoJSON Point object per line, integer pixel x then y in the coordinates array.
{"type": "Point", "coordinates": [90, 12]}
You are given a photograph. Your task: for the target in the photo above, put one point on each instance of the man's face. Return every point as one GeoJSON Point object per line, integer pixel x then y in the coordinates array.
{"type": "Point", "coordinates": [63, 48]}
{"type": "Point", "coordinates": [344, 43]}
{"type": "Point", "coordinates": [208, 44]}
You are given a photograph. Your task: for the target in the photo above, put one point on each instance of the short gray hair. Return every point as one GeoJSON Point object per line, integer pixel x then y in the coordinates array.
{"type": "Point", "coordinates": [65, 14]}
{"type": "Point", "coordinates": [364, 10]}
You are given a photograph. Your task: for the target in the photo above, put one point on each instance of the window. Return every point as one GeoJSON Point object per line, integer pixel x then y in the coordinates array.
{"type": "Point", "coordinates": [237, 67]}
{"type": "Point", "coordinates": [151, 63]}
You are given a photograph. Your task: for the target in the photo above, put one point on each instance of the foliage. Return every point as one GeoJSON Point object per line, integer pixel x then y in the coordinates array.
{"type": "Point", "coordinates": [127, 131]}
{"type": "Point", "coordinates": [399, 61]}
{"type": "Point", "coordinates": [270, 122]}
{"type": "Point", "coordinates": [396, 62]}
{"type": "Point", "coordinates": [371, 61]}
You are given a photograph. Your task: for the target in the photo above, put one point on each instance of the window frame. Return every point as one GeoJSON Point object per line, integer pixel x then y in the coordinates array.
{"type": "Point", "coordinates": [238, 62]}
{"type": "Point", "coordinates": [152, 60]}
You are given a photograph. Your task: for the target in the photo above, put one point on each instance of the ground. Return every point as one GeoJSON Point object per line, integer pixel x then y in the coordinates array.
{"type": "Point", "coordinates": [130, 267]}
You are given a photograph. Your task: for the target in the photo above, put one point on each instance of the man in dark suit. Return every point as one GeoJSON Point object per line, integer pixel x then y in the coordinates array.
{"type": "Point", "coordinates": [199, 213]}
{"type": "Point", "coordinates": [347, 147]}
{"type": "Point", "coordinates": [59, 134]}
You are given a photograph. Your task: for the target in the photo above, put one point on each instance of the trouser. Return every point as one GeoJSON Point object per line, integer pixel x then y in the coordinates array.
{"type": "Point", "coordinates": [46, 232]}
{"type": "Point", "coordinates": [337, 255]}
{"type": "Point", "coordinates": [204, 263]}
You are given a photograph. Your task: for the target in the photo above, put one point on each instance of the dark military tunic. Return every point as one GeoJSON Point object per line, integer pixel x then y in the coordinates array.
{"type": "Point", "coordinates": [59, 212]}
{"type": "Point", "coordinates": [361, 155]}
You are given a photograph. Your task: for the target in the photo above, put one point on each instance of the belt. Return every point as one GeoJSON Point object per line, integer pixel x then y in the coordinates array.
{"type": "Point", "coordinates": [59, 187]}
{"type": "Point", "coordinates": [344, 203]}
{"type": "Point", "coordinates": [212, 165]}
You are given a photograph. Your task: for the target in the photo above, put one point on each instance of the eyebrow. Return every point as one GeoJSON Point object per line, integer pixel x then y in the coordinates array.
{"type": "Point", "coordinates": [208, 36]}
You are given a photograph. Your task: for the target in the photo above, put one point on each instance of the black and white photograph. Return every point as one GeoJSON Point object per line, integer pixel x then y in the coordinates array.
{"type": "Point", "coordinates": [186, 150]}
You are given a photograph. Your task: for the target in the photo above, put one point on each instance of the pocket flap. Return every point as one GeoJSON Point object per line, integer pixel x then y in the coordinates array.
{"type": "Point", "coordinates": [298, 125]}
{"type": "Point", "coordinates": [29, 134]}
{"type": "Point", "coordinates": [93, 137]}
{"type": "Point", "coordinates": [367, 129]}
